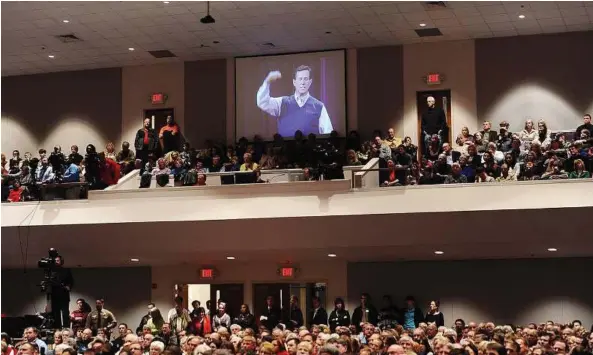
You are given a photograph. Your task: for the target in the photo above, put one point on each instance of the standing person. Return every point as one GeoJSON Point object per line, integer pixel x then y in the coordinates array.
{"type": "Point", "coordinates": [339, 317]}
{"type": "Point", "coordinates": [200, 324]}
{"type": "Point", "coordinates": [145, 142]}
{"type": "Point", "coordinates": [295, 317]}
{"type": "Point", "coordinates": [299, 111]}
{"type": "Point", "coordinates": [245, 319]}
{"type": "Point", "coordinates": [434, 315]}
{"type": "Point", "coordinates": [169, 136]}
{"type": "Point", "coordinates": [586, 125]}
{"type": "Point", "coordinates": [412, 315]}
{"type": "Point", "coordinates": [221, 318]}
{"type": "Point", "coordinates": [79, 315]}
{"type": "Point", "coordinates": [318, 314]}
{"type": "Point", "coordinates": [434, 121]}
{"type": "Point", "coordinates": [271, 315]}
{"type": "Point", "coordinates": [365, 313]}
{"type": "Point", "coordinates": [178, 317]}
{"type": "Point", "coordinates": [100, 318]}
{"type": "Point", "coordinates": [61, 284]}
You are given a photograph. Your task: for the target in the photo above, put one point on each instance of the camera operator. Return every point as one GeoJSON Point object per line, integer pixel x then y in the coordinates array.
{"type": "Point", "coordinates": [329, 162]}
{"type": "Point", "coordinates": [61, 283]}
{"type": "Point", "coordinates": [57, 160]}
{"type": "Point", "coordinates": [93, 170]}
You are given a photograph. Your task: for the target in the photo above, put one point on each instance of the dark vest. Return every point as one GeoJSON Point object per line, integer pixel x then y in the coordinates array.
{"type": "Point", "coordinates": [293, 117]}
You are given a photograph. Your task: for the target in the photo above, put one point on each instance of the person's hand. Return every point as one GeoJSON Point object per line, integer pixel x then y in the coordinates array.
{"type": "Point", "coordinates": [273, 76]}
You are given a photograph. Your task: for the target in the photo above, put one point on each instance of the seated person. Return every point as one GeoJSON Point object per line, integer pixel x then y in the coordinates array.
{"type": "Point", "coordinates": [402, 162]}
{"type": "Point", "coordinates": [507, 174]}
{"type": "Point", "coordinates": [308, 175]}
{"type": "Point", "coordinates": [467, 170]}
{"type": "Point", "coordinates": [428, 175]}
{"type": "Point", "coordinates": [528, 172]}
{"type": "Point", "coordinates": [17, 192]}
{"type": "Point", "coordinates": [126, 158]}
{"type": "Point", "coordinates": [74, 156]}
{"type": "Point", "coordinates": [44, 173]}
{"type": "Point", "coordinates": [216, 165]}
{"type": "Point", "coordinates": [434, 149]}
{"type": "Point", "coordinates": [480, 144]}
{"type": "Point", "coordinates": [109, 172]}
{"type": "Point", "coordinates": [490, 166]}
{"type": "Point", "coordinates": [496, 154]}
{"type": "Point", "coordinates": [556, 171]}
{"type": "Point", "coordinates": [579, 171]}
{"type": "Point", "coordinates": [452, 156]}
{"type": "Point", "coordinates": [505, 138]}
{"type": "Point", "coordinates": [201, 180]}
{"type": "Point", "coordinates": [456, 177]}
{"type": "Point", "coordinates": [161, 168]}
{"type": "Point", "coordinates": [391, 140]}
{"type": "Point", "coordinates": [248, 164]}
{"type": "Point", "coordinates": [441, 167]}
{"type": "Point", "coordinates": [482, 177]}
{"type": "Point", "coordinates": [391, 175]}
{"type": "Point", "coordinates": [72, 174]}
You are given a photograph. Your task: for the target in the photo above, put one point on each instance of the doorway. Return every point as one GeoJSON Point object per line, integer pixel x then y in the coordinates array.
{"type": "Point", "coordinates": [210, 294]}
{"type": "Point", "coordinates": [281, 293]}
{"type": "Point", "coordinates": [158, 117]}
{"type": "Point", "coordinates": [442, 100]}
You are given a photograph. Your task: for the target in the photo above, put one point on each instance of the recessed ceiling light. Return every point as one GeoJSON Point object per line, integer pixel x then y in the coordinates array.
{"type": "Point", "coordinates": [422, 25]}
{"type": "Point", "coordinates": [165, 2]}
{"type": "Point", "coordinates": [230, 258]}
{"type": "Point", "coordinates": [439, 252]}
{"type": "Point", "coordinates": [521, 16]}
{"type": "Point", "coordinates": [65, 21]}
{"type": "Point", "coordinates": [134, 260]}
{"type": "Point", "coordinates": [552, 249]}
{"type": "Point", "coordinates": [51, 56]}
{"type": "Point", "coordinates": [332, 255]}
{"type": "Point", "coordinates": [130, 49]}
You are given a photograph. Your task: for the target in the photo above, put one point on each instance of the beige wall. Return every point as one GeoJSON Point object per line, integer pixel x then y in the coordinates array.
{"type": "Point", "coordinates": [456, 61]}
{"type": "Point", "coordinates": [138, 83]}
{"type": "Point", "coordinates": [334, 273]}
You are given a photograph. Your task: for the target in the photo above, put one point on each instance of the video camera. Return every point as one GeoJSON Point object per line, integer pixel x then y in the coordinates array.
{"type": "Point", "coordinates": [47, 264]}
{"type": "Point", "coordinates": [50, 261]}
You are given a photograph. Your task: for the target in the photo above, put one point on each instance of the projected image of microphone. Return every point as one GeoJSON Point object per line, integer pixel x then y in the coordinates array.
{"type": "Point", "coordinates": [298, 110]}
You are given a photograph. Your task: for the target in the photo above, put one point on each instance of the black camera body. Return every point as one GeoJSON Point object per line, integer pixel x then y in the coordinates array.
{"type": "Point", "coordinates": [47, 264]}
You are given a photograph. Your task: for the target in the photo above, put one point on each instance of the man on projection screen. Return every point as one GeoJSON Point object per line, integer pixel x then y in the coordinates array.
{"type": "Point", "coordinates": [300, 111]}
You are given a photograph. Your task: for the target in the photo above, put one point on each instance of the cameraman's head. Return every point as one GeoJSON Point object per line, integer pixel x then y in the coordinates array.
{"type": "Point", "coordinates": [31, 334]}
{"type": "Point", "coordinates": [57, 149]}
{"type": "Point", "coordinates": [59, 261]}
{"type": "Point", "coordinates": [99, 304]}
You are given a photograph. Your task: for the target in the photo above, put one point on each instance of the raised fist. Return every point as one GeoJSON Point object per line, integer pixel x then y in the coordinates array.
{"type": "Point", "coordinates": [273, 76]}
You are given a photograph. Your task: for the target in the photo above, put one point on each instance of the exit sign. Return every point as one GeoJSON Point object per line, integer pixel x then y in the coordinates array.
{"type": "Point", "coordinates": [288, 272]}
{"type": "Point", "coordinates": [433, 79]}
{"type": "Point", "coordinates": [207, 273]}
{"type": "Point", "coordinates": [158, 98]}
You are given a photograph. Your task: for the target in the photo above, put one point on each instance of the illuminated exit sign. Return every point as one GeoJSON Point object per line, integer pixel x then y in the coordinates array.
{"type": "Point", "coordinates": [207, 273]}
{"type": "Point", "coordinates": [433, 79]}
{"type": "Point", "coordinates": [287, 272]}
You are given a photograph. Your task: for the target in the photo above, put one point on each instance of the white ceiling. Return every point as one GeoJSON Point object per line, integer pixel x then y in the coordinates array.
{"type": "Point", "coordinates": [110, 28]}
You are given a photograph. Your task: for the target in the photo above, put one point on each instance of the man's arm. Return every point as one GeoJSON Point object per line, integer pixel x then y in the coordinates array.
{"type": "Point", "coordinates": [270, 105]}
{"type": "Point", "coordinates": [325, 124]}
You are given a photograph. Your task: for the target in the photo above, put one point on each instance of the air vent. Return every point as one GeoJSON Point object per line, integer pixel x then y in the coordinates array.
{"type": "Point", "coordinates": [162, 54]}
{"type": "Point", "coordinates": [428, 32]}
{"type": "Point", "coordinates": [434, 5]}
{"type": "Point", "coordinates": [69, 38]}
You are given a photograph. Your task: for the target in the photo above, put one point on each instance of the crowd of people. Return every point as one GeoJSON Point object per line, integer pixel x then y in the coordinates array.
{"type": "Point", "coordinates": [485, 156]}
{"type": "Point", "coordinates": [369, 331]}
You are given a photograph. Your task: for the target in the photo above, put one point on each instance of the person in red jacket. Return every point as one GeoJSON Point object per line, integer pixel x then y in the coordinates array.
{"type": "Point", "coordinates": [109, 170]}
{"type": "Point", "coordinates": [16, 193]}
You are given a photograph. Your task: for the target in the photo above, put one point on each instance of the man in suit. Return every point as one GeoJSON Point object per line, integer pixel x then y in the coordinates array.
{"type": "Point", "coordinates": [271, 315]}
{"type": "Point", "coordinates": [488, 135]}
{"type": "Point", "coordinates": [318, 315]}
{"type": "Point", "coordinates": [295, 320]}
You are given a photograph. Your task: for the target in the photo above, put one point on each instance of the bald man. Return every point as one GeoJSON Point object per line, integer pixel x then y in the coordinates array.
{"type": "Point", "coordinates": [396, 350]}
{"type": "Point", "coordinates": [434, 121]}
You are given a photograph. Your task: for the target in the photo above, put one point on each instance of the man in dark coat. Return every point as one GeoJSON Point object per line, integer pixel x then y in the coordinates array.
{"type": "Point", "coordinates": [146, 141]}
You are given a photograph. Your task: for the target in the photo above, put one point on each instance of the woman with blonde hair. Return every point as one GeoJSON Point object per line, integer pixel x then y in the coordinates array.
{"type": "Point", "coordinates": [579, 171]}
{"type": "Point", "coordinates": [304, 348]}
{"type": "Point", "coordinates": [543, 135]}
{"type": "Point", "coordinates": [528, 134]}
{"type": "Point", "coordinates": [110, 151]}
{"type": "Point", "coordinates": [352, 158]}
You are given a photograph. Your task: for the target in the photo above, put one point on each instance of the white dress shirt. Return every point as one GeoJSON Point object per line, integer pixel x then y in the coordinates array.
{"type": "Point", "coordinates": [273, 105]}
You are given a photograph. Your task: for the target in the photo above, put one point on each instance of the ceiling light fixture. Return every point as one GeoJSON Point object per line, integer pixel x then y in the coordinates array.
{"type": "Point", "coordinates": [65, 21]}
{"type": "Point", "coordinates": [521, 16]}
{"type": "Point", "coordinates": [207, 19]}
{"type": "Point", "coordinates": [134, 260]}
{"type": "Point", "coordinates": [165, 2]}
{"type": "Point", "coordinates": [51, 56]}
{"type": "Point", "coordinates": [439, 252]}
{"type": "Point", "coordinates": [131, 49]}
{"type": "Point", "coordinates": [332, 255]}
{"type": "Point", "coordinates": [552, 249]}
{"type": "Point", "coordinates": [422, 25]}
{"type": "Point", "coordinates": [230, 258]}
